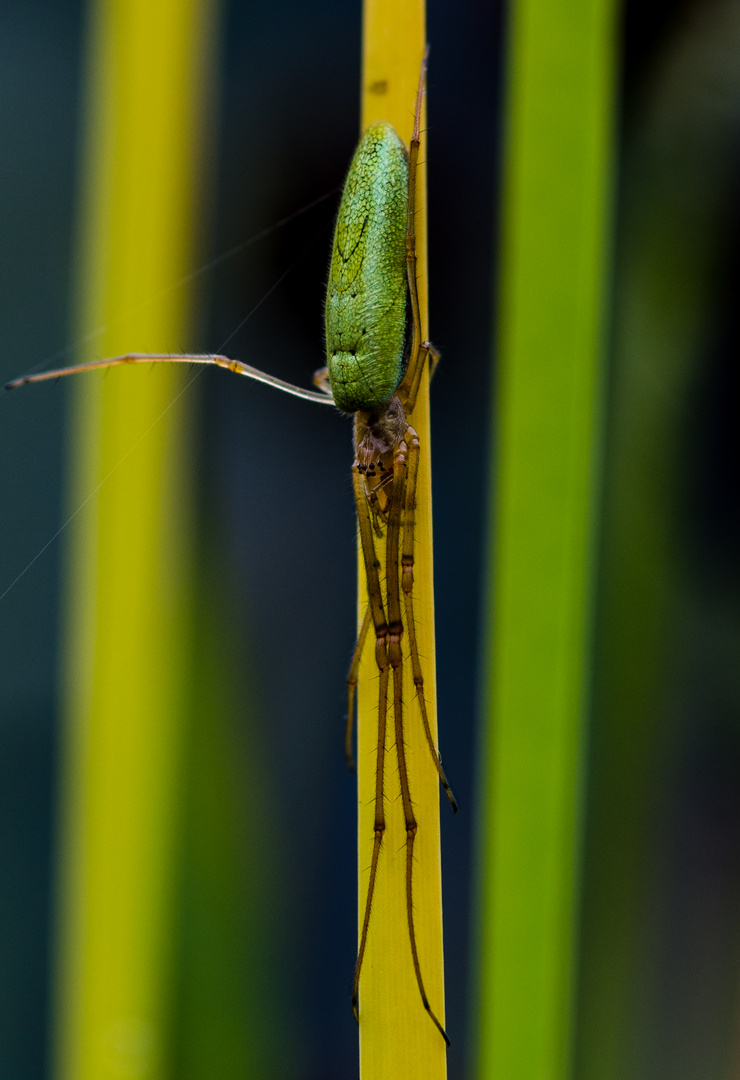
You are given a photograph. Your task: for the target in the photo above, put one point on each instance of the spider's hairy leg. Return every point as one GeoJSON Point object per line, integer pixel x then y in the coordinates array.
{"type": "Point", "coordinates": [216, 359]}
{"type": "Point", "coordinates": [420, 350]}
{"type": "Point", "coordinates": [410, 384]}
{"type": "Point", "coordinates": [434, 357]}
{"type": "Point", "coordinates": [377, 614]}
{"type": "Point", "coordinates": [395, 628]}
{"type": "Point", "coordinates": [407, 586]}
{"type": "Point", "coordinates": [378, 514]}
{"type": "Point", "coordinates": [352, 680]}
{"type": "Point", "coordinates": [409, 389]}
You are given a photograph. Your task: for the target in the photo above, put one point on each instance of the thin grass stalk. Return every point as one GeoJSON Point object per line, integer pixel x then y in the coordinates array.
{"type": "Point", "coordinates": [397, 1038]}
{"type": "Point", "coordinates": [230, 1019]}
{"type": "Point", "coordinates": [559, 110]}
{"type": "Point", "coordinates": [128, 575]}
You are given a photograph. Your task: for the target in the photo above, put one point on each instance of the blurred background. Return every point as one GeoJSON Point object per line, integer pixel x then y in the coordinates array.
{"type": "Point", "coordinates": [660, 942]}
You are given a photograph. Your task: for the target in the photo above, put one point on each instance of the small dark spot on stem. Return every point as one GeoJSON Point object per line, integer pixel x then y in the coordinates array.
{"type": "Point", "coordinates": [380, 86]}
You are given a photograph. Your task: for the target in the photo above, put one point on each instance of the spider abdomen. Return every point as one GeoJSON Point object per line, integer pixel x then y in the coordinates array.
{"type": "Point", "coordinates": [366, 297]}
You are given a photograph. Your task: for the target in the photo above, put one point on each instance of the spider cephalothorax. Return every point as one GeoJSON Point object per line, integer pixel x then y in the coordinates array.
{"type": "Point", "coordinates": [378, 436]}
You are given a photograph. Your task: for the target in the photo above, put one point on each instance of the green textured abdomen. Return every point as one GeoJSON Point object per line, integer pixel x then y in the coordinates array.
{"type": "Point", "coordinates": [366, 298]}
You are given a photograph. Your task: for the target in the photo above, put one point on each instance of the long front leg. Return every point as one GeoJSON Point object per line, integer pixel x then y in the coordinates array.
{"type": "Point", "coordinates": [217, 359]}
{"type": "Point", "coordinates": [407, 585]}
{"type": "Point", "coordinates": [377, 614]}
{"type": "Point", "coordinates": [352, 680]}
{"type": "Point", "coordinates": [419, 350]}
{"type": "Point", "coordinates": [395, 628]}
{"type": "Point", "coordinates": [411, 378]}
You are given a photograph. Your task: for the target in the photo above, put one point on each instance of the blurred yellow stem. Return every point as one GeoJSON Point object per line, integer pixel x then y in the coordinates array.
{"type": "Point", "coordinates": [128, 590]}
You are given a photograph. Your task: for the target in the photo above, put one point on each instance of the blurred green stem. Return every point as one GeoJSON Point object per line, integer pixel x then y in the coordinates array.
{"type": "Point", "coordinates": [559, 117]}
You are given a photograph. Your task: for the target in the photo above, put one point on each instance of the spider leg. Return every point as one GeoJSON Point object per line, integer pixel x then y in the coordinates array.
{"type": "Point", "coordinates": [377, 615]}
{"type": "Point", "coordinates": [352, 680]}
{"type": "Point", "coordinates": [379, 518]}
{"type": "Point", "coordinates": [321, 379]}
{"type": "Point", "coordinates": [236, 366]}
{"type": "Point", "coordinates": [420, 350]}
{"type": "Point", "coordinates": [372, 489]}
{"type": "Point", "coordinates": [411, 378]}
{"type": "Point", "coordinates": [409, 388]}
{"type": "Point", "coordinates": [434, 358]}
{"type": "Point", "coordinates": [395, 631]}
{"type": "Point", "coordinates": [407, 585]}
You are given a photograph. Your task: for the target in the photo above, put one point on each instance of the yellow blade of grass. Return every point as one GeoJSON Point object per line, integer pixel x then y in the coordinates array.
{"type": "Point", "coordinates": [397, 1038]}
{"type": "Point", "coordinates": [128, 574]}
{"type": "Point", "coordinates": [555, 217]}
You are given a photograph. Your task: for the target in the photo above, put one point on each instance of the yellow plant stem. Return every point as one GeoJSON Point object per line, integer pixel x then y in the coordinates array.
{"type": "Point", "coordinates": [128, 564]}
{"type": "Point", "coordinates": [397, 1038]}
